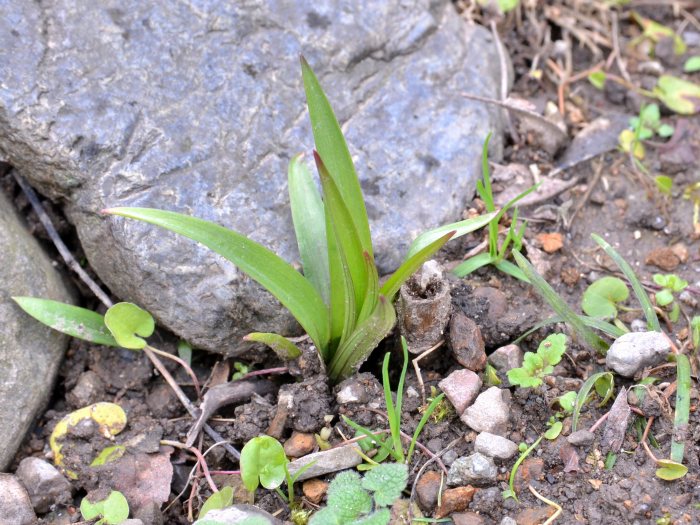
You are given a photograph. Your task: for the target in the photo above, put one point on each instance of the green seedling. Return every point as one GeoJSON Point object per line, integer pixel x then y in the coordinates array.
{"type": "Point", "coordinates": [338, 300]}
{"type": "Point", "coordinates": [111, 510]}
{"type": "Point", "coordinates": [670, 284]}
{"type": "Point", "coordinates": [497, 254]}
{"type": "Point", "coordinates": [643, 127]}
{"type": "Point", "coordinates": [218, 500]}
{"type": "Point", "coordinates": [692, 65]}
{"type": "Point", "coordinates": [601, 383]}
{"type": "Point", "coordinates": [695, 331]}
{"type": "Point", "coordinates": [681, 96]}
{"type": "Point", "coordinates": [363, 501]}
{"type": "Point", "coordinates": [692, 193]}
{"type": "Point", "coordinates": [443, 410]}
{"type": "Point", "coordinates": [491, 376]}
{"type": "Point", "coordinates": [597, 79]}
{"type": "Point", "coordinates": [602, 298]}
{"type": "Point", "coordinates": [392, 444]}
{"type": "Point", "coordinates": [654, 32]}
{"type": "Point", "coordinates": [241, 369]}
{"type": "Point", "coordinates": [504, 6]}
{"type": "Point", "coordinates": [263, 462]}
{"type": "Point", "coordinates": [567, 402]}
{"type": "Point", "coordinates": [538, 365]}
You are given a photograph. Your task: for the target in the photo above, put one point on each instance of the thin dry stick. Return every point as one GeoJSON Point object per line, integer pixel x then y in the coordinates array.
{"type": "Point", "coordinates": [616, 48]}
{"type": "Point", "coordinates": [591, 186]}
{"type": "Point", "coordinates": [417, 368]}
{"type": "Point", "coordinates": [184, 365]}
{"type": "Point", "coordinates": [504, 78]}
{"type": "Point", "coordinates": [200, 459]}
{"type": "Point", "coordinates": [56, 239]}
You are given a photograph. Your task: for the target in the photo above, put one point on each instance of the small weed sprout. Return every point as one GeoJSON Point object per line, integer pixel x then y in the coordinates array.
{"type": "Point", "coordinates": [111, 510]}
{"type": "Point", "coordinates": [602, 299]}
{"type": "Point", "coordinates": [443, 410]}
{"type": "Point", "coordinates": [671, 284]}
{"type": "Point", "coordinates": [538, 365]}
{"type": "Point", "coordinates": [354, 500]}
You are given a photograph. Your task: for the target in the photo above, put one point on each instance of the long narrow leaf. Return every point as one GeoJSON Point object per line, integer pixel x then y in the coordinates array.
{"type": "Point", "coordinates": [346, 232]}
{"type": "Point", "coordinates": [509, 268]}
{"type": "Point", "coordinates": [411, 265]}
{"type": "Point", "coordinates": [282, 346]}
{"type": "Point", "coordinates": [393, 412]}
{"type": "Point", "coordinates": [309, 226]}
{"type": "Point", "coordinates": [603, 326]}
{"type": "Point", "coordinates": [460, 228]}
{"type": "Point", "coordinates": [262, 265]}
{"type": "Point", "coordinates": [559, 306]}
{"type": "Point", "coordinates": [472, 264]}
{"type": "Point", "coordinates": [582, 395]}
{"type": "Point", "coordinates": [680, 421]}
{"type": "Point", "coordinates": [372, 292]}
{"type": "Point", "coordinates": [367, 335]}
{"type": "Point", "coordinates": [68, 319]}
{"type": "Point", "coordinates": [342, 307]}
{"type": "Point", "coordinates": [423, 421]}
{"type": "Point", "coordinates": [332, 147]}
{"type": "Point", "coordinates": [642, 297]}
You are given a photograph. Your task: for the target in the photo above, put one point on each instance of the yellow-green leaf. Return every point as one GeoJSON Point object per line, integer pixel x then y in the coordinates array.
{"type": "Point", "coordinates": [679, 95]}
{"type": "Point", "coordinates": [282, 346]}
{"type": "Point", "coordinates": [670, 470]}
{"type": "Point", "coordinates": [127, 322]}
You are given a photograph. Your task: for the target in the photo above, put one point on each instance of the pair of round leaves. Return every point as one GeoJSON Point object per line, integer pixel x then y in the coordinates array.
{"type": "Point", "coordinates": [601, 298]}
{"type": "Point", "coordinates": [127, 322]}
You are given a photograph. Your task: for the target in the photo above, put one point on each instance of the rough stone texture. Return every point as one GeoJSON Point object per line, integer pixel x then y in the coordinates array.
{"type": "Point", "coordinates": [29, 352]}
{"type": "Point", "coordinates": [237, 514]}
{"type": "Point", "coordinates": [455, 500]}
{"type": "Point", "coordinates": [475, 469]}
{"type": "Point", "coordinates": [44, 483]}
{"type": "Point", "coordinates": [326, 461]}
{"type": "Point", "coordinates": [581, 438]}
{"type": "Point", "coordinates": [198, 107]}
{"type": "Point", "coordinates": [633, 352]}
{"type": "Point", "coordinates": [88, 390]}
{"type": "Point", "coordinates": [15, 506]}
{"type": "Point", "coordinates": [299, 444]}
{"type": "Point", "coordinates": [467, 518]}
{"type": "Point", "coordinates": [495, 446]}
{"type": "Point", "coordinates": [428, 488]}
{"type": "Point", "coordinates": [506, 357]}
{"type": "Point", "coordinates": [466, 343]}
{"type": "Point", "coordinates": [461, 387]}
{"type": "Point", "coordinates": [490, 412]}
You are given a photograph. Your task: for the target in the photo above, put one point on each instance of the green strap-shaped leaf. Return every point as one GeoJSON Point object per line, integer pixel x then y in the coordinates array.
{"type": "Point", "coordinates": [282, 346]}
{"type": "Point", "coordinates": [472, 264]}
{"type": "Point", "coordinates": [68, 319]}
{"type": "Point", "coordinates": [367, 335]}
{"type": "Point", "coordinates": [642, 297]}
{"type": "Point", "coordinates": [127, 322]}
{"type": "Point", "coordinates": [309, 226]}
{"type": "Point", "coordinates": [346, 233]}
{"type": "Point", "coordinates": [372, 292]}
{"type": "Point", "coordinates": [559, 306]}
{"type": "Point", "coordinates": [460, 228]}
{"type": "Point", "coordinates": [411, 265]}
{"type": "Point", "coordinates": [262, 265]}
{"type": "Point", "coordinates": [682, 413]}
{"type": "Point", "coordinates": [333, 149]}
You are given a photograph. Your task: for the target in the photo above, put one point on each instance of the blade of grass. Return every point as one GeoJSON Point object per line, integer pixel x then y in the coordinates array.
{"type": "Point", "coordinates": [560, 307]}
{"type": "Point", "coordinates": [372, 292]}
{"type": "Point", "coordinates": [393, 412]}
{"type": "Point", "coordinates": [259, 263]}
{"type": "Point", "coordinates": [332, 147]}
{"type": "Point", "coordinates": [603, 326]}
{"type": "Point", "coordinates": [680, 422]}
{"type": "Point", "coordinates": [346, 232]}
{"type": "Point", "coordinates": [367, 335]}
{"type": "Point", "coordinates": [423, 420]}
{"type": "Point", "coordinates": [460, 228]}
{"type": "Point", "coordinates": [472, 264]}
{"type": "Point", "coordinates": [68, 319]}
{"type": "Point", "coordinates": [642, 297]}
{"type": "Point", "coordinates": [582, 396]}
{"type": "Point", "coordinates": [309, 226]}
{"type": "Point", "coordinates": [410, 265]}
{"type": "Point", "coordinates": [282, 346]}
{"type": "Point", "coordinates": [509, 268]}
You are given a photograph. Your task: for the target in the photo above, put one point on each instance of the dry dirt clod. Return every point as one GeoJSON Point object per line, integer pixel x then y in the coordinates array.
{"type": "Point", "coordinates": [534, 516]}
{"type": "Point", "coordinates": [616, 424]}
{"type": "Point", "coordinates": [467, 518]}
{"type": "Point", "coordinates": [299, 444]}
{"type": "Point", "coordinates": [314, 490]}
{"type": "Point", "coordinates": [423, 307]}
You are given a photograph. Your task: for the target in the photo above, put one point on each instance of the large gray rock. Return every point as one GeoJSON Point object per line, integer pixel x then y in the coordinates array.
{"type": "Point", "coordinates": [29, 352]}
{"type": "Point", "coordinates": [198, 108]}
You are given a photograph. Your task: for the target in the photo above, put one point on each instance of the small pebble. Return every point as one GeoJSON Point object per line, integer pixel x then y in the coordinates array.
{"type": "Point", "coordinates": [581, 438]}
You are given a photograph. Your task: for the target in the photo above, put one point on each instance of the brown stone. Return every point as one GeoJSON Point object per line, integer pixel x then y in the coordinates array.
{"type": "Point", "coordinates": [530, 469]}
{"type": "Point", "coordinates": [534, 516]}
{"type": "Point", "coordinates": [664, 258]}
{"type": "Point", "coordinates": [299, 444]}
{"type": "Point", "coordinates": [550, 242]}
{"type": "Point", "coordinates": [466, 343]}
{"type": "Point", "coordinates": [467, 518]}
{"type": "Point", "coordinates": [314, 490]}
{"type": "Point", "coordinates": [427, 489]}
{"type": "Point", "coordinates": [455, 500]}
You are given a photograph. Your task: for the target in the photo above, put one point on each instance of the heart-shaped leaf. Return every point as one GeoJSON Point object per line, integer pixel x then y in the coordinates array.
{"type": "Point", "coordinates": [601, 298]}
{"type": "Point", "coordinates": [679, 95]}
{"type": "Point", "coordinates": [263, 462]}
{"type": "Point", "coordinates": [127, 321]}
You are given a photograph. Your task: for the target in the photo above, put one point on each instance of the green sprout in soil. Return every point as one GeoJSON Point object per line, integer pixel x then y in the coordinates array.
{"type": "Point", "coordinates": [217, 501]}
{"type": "Point", "coordinates": [603, 298]}
{"type": "Point", "coordinates": [497, 254]}
{"type": "Point", "coordinates": [600, 383]}
{"type": "Point", "coordinates": [670, 284]}
{"type": "Point", "coordinates": [392, 444]}
{"type": "Point", "coordinates": [443, 410]}
{"type": "Point", "coordinates": [263, 462]}
{"type": "Point", "coordinates": [353, 500]}
{"type": "Point", "coordinates": [538, 365]}
{"type": "Point", "coordinates": [111, 509]}
{"type": "Point", "coordinates": [644, 127]}
{"type": "Point", "coordinates": [695, 332]}
{"type": "Point", "coordinates": [338, 300]}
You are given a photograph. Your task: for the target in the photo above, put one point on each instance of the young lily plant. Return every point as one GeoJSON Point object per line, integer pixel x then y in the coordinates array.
{"type": "Point", "coordinates": [338, 300]}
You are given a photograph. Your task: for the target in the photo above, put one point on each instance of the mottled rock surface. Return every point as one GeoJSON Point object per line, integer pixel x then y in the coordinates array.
{"type": "Point", "coordinates": [632, 352]}
{"type": "Point", "coordinates": [15, 507]}
{"type": "Point", "coordinates": [29, 352]}
{"type": "Point", "coordinates": [198, 107]}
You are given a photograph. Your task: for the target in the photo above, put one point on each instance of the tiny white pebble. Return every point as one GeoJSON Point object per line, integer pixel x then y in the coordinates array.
{"type": "Point", "coordinates": [637, 234]}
